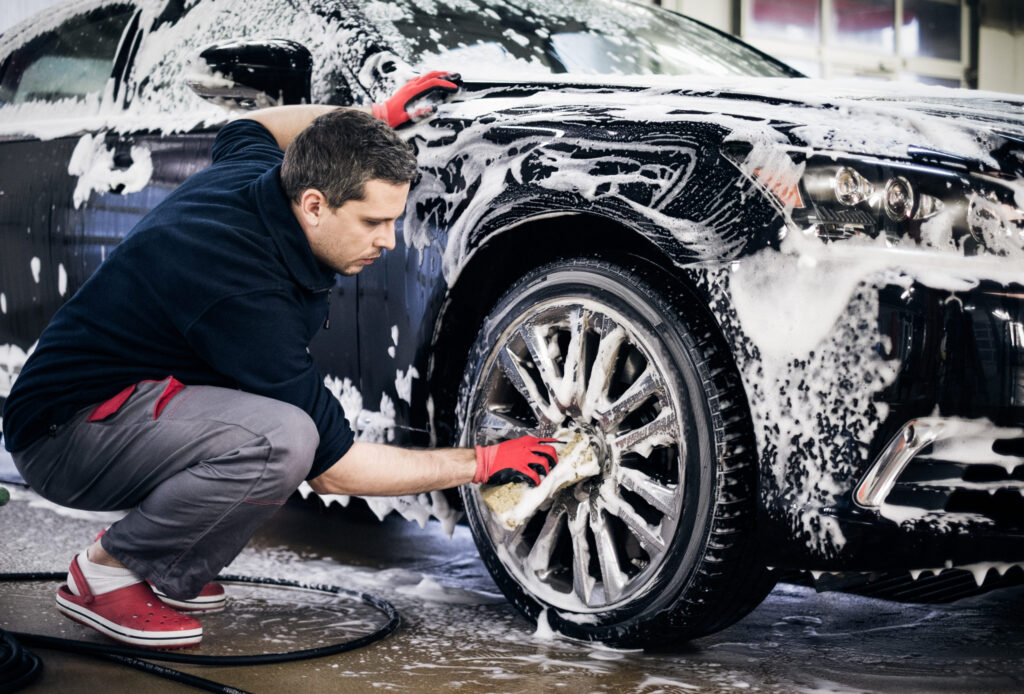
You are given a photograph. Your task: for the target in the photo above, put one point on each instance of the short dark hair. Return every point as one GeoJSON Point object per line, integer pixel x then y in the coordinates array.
{"type": "Point", "coordinates": [340, 151]}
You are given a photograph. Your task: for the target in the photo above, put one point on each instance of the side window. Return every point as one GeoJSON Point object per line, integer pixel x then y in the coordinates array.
{"type": "Point", "coordinates": [70, 62]}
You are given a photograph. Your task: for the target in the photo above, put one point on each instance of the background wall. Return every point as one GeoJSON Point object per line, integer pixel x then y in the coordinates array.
{"type": "Point", "coordinates": [1001, 45]}
{"type": "Point", "coordinates": [997, 33]}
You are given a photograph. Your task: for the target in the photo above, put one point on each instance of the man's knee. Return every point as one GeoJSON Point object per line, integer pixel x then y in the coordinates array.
{"type": "Point", "coordinates": [293, 443]}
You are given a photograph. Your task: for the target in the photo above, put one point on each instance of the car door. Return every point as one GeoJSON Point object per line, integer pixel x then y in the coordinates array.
{"type": "Point", "coordinates": [96, 128]}
{"type": "Point", "coordinates": [57, 81]}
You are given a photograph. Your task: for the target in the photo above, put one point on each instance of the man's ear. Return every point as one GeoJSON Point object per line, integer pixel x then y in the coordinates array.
{"type": "Point", "coordinates": [312, 206]}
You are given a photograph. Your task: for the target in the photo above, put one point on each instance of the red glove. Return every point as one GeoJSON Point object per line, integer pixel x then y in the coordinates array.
{"type": "Point", "coordinates": [396, 110]}
{"type": "Point", "coordinates": [516, 460]}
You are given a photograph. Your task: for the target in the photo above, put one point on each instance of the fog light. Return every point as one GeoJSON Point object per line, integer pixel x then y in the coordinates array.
{"type": "Point", "coordinates": [928, 206]}
{"type": "Point", "coordinates": [898, 199]}
{"type": "Point", "coordinates": [850, 187]}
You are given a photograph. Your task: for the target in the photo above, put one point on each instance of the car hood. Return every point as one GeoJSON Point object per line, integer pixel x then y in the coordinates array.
{"type": "Point", "coordinates": [982, 106]}
{"type": "Point", "coordinates": [886, 119]}
{"type": "Point", "coordinates": [1004, 112]}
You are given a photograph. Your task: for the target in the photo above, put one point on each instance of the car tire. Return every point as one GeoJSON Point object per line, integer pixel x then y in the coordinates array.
{"type": "Point", "coordinates": [658, 545]}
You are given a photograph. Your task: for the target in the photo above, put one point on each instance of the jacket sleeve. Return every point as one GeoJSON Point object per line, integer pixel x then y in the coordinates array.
{"type": "Point", "coordinates": [247, 139]}
{"type": "Point", "coordinates": [259, 340]}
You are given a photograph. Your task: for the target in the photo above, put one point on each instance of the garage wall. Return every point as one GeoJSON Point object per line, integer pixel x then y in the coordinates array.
{"type": "Point", "coordinates": [1001, 46]}
{"type": "Point", "coordinates": [1000, 56]}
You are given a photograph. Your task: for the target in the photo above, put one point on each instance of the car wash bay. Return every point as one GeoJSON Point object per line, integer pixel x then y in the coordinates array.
{"type": "Point", "coordinates": [457, 634]}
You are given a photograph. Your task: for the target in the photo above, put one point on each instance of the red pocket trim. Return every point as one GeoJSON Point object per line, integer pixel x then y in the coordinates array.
{"type": "Point", "coordinates": [109, 407]}
{"type": "Point", "coordinates": [174, 386]}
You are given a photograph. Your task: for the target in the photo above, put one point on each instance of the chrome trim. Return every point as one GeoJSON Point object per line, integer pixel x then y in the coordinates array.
{"type": "Point", "coordinates": [882, 475]}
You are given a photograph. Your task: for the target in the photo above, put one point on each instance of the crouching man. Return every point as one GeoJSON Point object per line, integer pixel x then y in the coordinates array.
{"type": "Point", "coordinates": [177, 381]}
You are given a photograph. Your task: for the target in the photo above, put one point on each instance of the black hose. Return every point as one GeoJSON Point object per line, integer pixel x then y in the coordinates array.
{"type": "Point", "coordinates": [19, 667]}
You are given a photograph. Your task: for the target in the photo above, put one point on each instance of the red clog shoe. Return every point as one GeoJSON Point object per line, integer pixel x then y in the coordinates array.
{"type": "Point", "coordinates": [133, 615]}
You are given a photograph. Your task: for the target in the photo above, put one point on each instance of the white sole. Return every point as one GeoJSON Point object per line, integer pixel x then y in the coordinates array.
{"type": "Point", "coordinates": [135, 637]}
{"type": "Point", "coordinates": [207, 605]}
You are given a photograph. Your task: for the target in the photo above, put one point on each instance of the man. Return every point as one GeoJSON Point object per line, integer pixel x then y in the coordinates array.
{"type": "Point", "coordinates": [177, 381]}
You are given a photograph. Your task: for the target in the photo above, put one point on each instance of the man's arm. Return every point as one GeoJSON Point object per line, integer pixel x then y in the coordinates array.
{"type": "Point", "coordinates": [373, 469]}
{"type": "Point", "coordinates": [286, 122]}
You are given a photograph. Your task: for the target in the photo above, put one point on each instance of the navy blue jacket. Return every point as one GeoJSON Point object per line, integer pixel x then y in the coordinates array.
{"type": "Point", "coordinates": [217, 285]}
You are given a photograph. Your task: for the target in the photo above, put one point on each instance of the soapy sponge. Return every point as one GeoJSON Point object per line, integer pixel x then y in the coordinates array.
{"type": "Point", "coordinates": [515, 503]}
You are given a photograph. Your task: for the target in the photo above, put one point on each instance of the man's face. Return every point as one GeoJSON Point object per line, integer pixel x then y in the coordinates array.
{"type": "Point", "coordinates": [350, 237]}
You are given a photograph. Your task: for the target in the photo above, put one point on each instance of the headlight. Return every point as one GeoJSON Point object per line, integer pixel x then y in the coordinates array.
{"type": "Point", "coordinates": [840, 198]}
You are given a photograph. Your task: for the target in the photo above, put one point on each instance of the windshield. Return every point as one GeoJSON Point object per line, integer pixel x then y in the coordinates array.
{"type": "Point", "coordinates": [584, 37]}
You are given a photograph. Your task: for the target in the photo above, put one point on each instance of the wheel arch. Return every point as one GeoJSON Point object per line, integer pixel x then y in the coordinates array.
{"type": "Point", "coordinates": [505, 255]}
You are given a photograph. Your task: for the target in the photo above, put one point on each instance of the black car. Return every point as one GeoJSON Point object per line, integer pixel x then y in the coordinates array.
{"type": "Point", "coordinates": [777, 323]}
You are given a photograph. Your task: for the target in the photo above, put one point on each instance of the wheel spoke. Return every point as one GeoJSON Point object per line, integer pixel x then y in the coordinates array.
{"type": "Point", "coordinates": [648, 536]}
{"type": "Point", "coordinates": [638, 393]}
{"type": "Point", "coordinates": [541, 357]}
{"type": "Point", "coordinates": [522, 382]}
{"type": "Point", "coordinates": [539, 558]}
{"type": "Point", "coordinates": [601, 372]}
{"type": "Point", "coordinates": [572, 387]}
{"type": "Point", "coordinates": [582, 582]}
{"type": "Point", "coordinates": [658, 432]}
{"type": "Point", "coordinates": [498, 426]}
{"type": "Point", "coordinates": [612, 577]}
{"type": "Point", "coordinates": [660, 496]}
{"type": "Point", "coordinates": [510, 538]}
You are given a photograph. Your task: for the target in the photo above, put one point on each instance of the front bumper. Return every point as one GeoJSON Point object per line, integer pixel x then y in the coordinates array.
{"type": "Point", "coordinates": [943, 484]}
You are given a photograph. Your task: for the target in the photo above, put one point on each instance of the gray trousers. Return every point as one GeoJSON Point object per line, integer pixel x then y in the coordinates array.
{"type": "Point", "coordinates": [199, 479]}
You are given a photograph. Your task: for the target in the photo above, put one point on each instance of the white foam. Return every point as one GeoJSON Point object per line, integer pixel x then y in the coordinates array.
{"type": "Point", "coordinates": [403, 383]}
{"type": "Point", "coordinates": [378, 427]}
{"type": "Point", "coordinates": [653, 684]}
{"type": "Point", "coordinates": [430, 590]}
{"type": "Point", "coordinates": [544, 632]}
{"type": "Point", "coordinates": [979, 570]}
{"type": "Point", "coordinates": [93, 163]}
{"type": "Point", "coordinates": [12, 359]}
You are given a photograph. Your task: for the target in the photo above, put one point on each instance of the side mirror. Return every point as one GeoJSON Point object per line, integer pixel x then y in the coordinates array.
{"type": "Point", "coordinates": [253, 74]}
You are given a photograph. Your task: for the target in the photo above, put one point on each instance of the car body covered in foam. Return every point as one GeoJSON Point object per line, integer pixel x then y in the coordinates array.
{"type": "Point", "coordinates": [825, 355]}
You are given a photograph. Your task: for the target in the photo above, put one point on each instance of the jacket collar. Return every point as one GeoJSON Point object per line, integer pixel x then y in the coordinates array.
{"type": "Point", "coordinates": [291, 242]}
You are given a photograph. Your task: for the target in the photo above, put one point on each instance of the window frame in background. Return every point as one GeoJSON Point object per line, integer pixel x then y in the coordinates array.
{"type": "Point", "coordinates": [828, 59]}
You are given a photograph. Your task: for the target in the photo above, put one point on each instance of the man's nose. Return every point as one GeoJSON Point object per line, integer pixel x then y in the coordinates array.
{"type": "Point", "coordinates": [386, 239]}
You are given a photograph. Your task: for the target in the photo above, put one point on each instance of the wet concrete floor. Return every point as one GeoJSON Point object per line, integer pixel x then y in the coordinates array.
{"type": "Point", "coordinates": [457, 634]}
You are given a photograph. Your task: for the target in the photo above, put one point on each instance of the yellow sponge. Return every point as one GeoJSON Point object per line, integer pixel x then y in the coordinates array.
{"type": "Point", "coordinates": [516, 502]}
